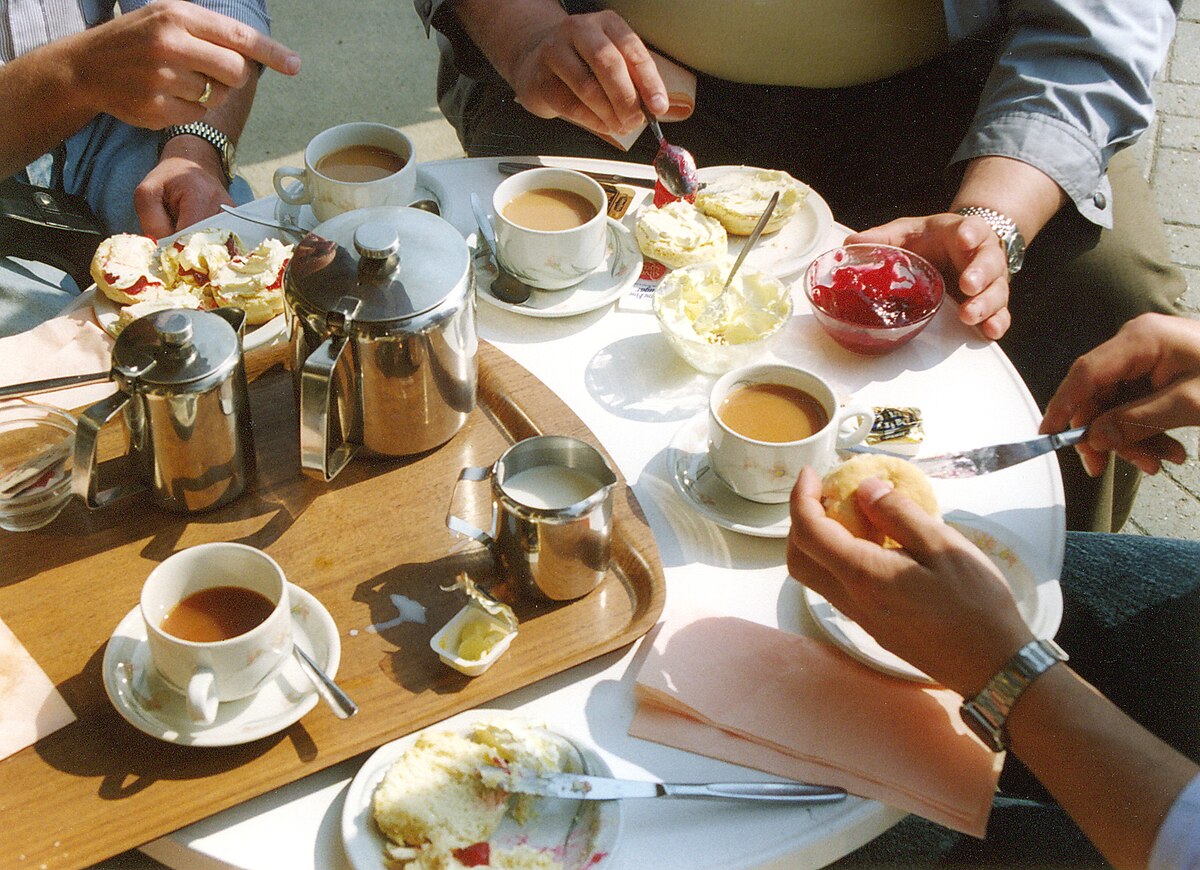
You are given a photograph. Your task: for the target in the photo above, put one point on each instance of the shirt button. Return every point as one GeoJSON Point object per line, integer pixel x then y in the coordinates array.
{"type": "Point", "coordinates": [1100, 201]}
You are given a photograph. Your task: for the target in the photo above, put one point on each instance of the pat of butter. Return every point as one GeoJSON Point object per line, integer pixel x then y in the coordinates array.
{"type": "Point", "coordinates": [472, 641]}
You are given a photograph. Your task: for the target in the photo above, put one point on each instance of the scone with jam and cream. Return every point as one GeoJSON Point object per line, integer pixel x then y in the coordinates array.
{"type": "Point", "coordinates": [126, 269]}
{"type": "Point", "coordinates": [253, 282]}
{"type": "Point", "coordinates": [191, 260]}
{"type": "Point", "coordinates": [443, 799]}
{"type": "Point", "coordinates": [738, 197]}
{"type": "Point", "coordinates": [677, 234]}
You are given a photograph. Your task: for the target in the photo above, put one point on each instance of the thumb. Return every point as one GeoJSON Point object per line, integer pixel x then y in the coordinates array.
{"type": "Point", "coordinates": [900, 518]}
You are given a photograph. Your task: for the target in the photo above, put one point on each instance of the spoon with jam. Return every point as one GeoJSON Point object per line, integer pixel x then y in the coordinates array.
{"type": "Point", "coordinates": [674, 166]}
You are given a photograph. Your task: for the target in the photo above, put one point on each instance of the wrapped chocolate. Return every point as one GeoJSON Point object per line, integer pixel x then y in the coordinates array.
{"type": "Point", "coordinates": [898, 430]}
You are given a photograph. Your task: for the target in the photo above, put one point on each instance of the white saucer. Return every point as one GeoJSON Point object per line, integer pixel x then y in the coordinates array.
{"type": "Point", "coordinates": [788, 250]}
{"type": "Point", "coordinates": [611, 280]}
{"type": "Point", "coordinates": [694, 479]}
{"type": "Point", "coordinates": [303, 217]}
{"type": "Point", "coordinates": [1000, 545]}
{"type": "Point", "coordinates": [579, 834]}
{"type": "Point", "coordinates": [150, 705]}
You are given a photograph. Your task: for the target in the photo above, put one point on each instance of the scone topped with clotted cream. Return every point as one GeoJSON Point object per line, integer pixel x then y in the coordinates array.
{"type": "Point", "coordinates": [738, 197]}
{"type": "Point", "coordinates": [677, 234]}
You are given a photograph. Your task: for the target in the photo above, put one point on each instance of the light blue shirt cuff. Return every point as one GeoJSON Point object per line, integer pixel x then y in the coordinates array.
{"type": "Point", "coordinates": [1052, 145]}
{"type": "Point", "coordinates": [1177, 846]}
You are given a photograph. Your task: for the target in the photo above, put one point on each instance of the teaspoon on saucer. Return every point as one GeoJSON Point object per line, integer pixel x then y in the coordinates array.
{"type": "Point", "coordinates": [506, 287]}
{"type": "Point", "coordinates": [329, 691]}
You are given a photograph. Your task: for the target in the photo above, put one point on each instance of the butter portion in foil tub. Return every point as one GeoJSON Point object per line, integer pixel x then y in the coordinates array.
{"type": "Point", "coordinates": [899, 430]}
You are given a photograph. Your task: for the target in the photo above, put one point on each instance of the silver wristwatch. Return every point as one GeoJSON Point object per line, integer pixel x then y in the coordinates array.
{"type": "Point", "coordinates": [1006, 228]}
{"type": "Point", "coordinates": [987, 713]}
{"type": "Point", "coordinates": [213, 137]}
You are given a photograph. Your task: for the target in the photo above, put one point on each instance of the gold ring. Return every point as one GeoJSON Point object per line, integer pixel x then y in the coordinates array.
{"type": "Point", "coordinates": [204, 97]}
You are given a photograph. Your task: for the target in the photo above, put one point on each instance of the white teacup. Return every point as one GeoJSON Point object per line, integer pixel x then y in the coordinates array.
{"type": "Point", "coordinates": [208, 672]}
{"type": "Point", "coordinates": [551, 259]}
{"type": "Point", "coordinates": [763, 470]}
{"type": "Point", "coordinates": [331, 196]}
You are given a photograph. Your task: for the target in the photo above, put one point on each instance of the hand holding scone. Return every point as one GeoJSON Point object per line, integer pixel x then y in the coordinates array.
{"type": "Point", "coordinates": [939, 603]}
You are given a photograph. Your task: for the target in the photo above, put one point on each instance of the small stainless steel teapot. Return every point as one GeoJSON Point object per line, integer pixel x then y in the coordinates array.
{"type": "Point", "coordinates": [183, 389]}
{"type": "Point", "coordinates": [381, 307]}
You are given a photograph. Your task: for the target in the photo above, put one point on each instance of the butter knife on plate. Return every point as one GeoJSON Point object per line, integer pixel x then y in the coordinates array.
{"type": "Point", "coordinates": [984, 460]}
{"type": "Point", "coordinates": [577, 786]}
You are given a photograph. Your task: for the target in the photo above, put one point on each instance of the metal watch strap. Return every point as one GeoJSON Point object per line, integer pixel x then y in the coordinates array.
{"type": "Point", "coordinates": [1006, 228]}
{"type": "Point", "coordinates": [213, 137]}
{"type": "Point", "coordinates": [987, 713]}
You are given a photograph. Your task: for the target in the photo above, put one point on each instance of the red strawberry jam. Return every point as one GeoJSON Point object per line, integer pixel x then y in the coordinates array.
{"type": "Point", "coordinates": [865, 295]}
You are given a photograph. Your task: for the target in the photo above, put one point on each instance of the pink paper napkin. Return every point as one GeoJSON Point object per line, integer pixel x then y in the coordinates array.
{"type": "Point", "coordinates": [70, 344]}
{"type": "Point", "coordinates": [30, 706]}
{"type": "Point", "coordinates": [796, 707]}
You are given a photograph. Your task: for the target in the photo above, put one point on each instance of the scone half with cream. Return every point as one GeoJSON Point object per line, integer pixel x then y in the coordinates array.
{"type": "Point", "coordinates": [677, 234]}
{"type": "Point", "coordinates": [126, 269]}
{"type": "Point", "coordinates": [738, 196]}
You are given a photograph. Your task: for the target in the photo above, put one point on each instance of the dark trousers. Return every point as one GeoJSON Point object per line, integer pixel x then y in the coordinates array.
{"type": "Point", "coordinates": [880, 151]}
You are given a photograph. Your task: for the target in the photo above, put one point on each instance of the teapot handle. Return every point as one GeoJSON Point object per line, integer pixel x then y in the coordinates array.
{"type": "Point", "coordinates": [317, 454]}
{"type": "Point", "coordinates": [457, 524]}
{"type": "Point", "coordinates": [84, 470]}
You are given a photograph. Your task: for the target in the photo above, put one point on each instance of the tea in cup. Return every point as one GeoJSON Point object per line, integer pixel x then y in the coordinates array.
{"type": "Point", "coordinates": [551, 226]}
{"type": "Point", "coordinates": [768, 421]}
{"type": "Point", "coordinates": [351, 166]}
{"type": "Point", "coordinates": [218, 623]}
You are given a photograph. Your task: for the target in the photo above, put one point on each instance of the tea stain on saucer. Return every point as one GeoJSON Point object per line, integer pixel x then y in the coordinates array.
{"type": "Point", "coordinates": [408, 610]}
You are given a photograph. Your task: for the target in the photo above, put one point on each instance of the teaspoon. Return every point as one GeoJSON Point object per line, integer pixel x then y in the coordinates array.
{"type": "Point", "coordinates": [675, 166]}
{"type": "Point", "coordinates": [506, 287]}
{"type": "Point", "coordinates": [713, 313]}
{"type": "Point", "coordinates": [330, 691]}
{"type": "Point", "coordinates": [290, 227]}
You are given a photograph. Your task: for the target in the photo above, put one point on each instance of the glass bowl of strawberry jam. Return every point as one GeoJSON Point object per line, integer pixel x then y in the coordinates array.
{"type": "Point", "coordinates": [873, 298]}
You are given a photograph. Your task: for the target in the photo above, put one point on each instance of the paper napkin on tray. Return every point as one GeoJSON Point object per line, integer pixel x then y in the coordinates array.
{"type": "Point", "coordinates": [796, 707]}
{"type": "Point", "coordinates": [70, 344]}
{"type": "Point", "coordinates": [30, 706]}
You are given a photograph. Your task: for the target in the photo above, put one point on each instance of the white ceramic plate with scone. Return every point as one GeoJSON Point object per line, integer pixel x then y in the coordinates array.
{"type": "Point", "coordinates": [704, 492]}
{"type": "Point", "coordinates": [611, 280]}
{"type": "Point", "coordinates": [578, 834]}
{"type": "Point", "coordinates": [787, 251]}
{"type": "Point", "coordinates": [1041, 610]}
{"type": "Point", "coordinates": [145, 701]}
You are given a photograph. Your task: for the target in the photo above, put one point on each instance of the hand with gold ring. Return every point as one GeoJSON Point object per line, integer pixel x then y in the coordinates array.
{"type": "Point", "coordinates": [208, 92]}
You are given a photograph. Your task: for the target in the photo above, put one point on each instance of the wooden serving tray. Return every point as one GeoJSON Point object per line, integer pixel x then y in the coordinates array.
{"type": "Point", "coordinates": [99, 786]}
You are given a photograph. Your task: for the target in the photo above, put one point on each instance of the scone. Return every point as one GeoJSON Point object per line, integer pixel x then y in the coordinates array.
{"type": "Point", "coordinates": [125, 268]}
{"type": "Point", "coordinates": [677, 235]}
{"type": "Point", "coordinates": [253, 282]}
{"type": "Point", "coordinates": [840, 484]}
{"type": "Point", "coordinates": [169, 299]}
{"type": "Point", "coordinates": [737, 198]}
{"type": "Point", "coordinates": [192, 259]}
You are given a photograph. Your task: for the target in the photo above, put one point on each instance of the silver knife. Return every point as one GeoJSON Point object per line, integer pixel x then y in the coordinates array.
{"type": "Point", "coordinates": [512, 167]}
{"type": "Point", "coordinates": [577, 786]}
{"type": "Point", "coordinates": [985, 460]}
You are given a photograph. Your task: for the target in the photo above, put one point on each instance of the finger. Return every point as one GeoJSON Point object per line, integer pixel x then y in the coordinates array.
{"type": "Point", "coordinates": [1094, 377]}
{"type": "Point", "coordinates": [1094, 461]}
{"type": "Point", "coordinates": [995, 326]}
{"type": "Point", "coordinates": [152, 211]}
{"type": "Point", "coordinates": [642, 71]}
{"type": "Point", "coordinates": [1147, 417]}
{"type": "Point", "coordinates": [902, 519]}
{"type": "Point", "coordinates": [898, 232]}
{"type": "Point", "coordinates": [571, 69]}
{"type": "Point", "coordinates": [245, 40]}
{"type": "Point", "coordinates": [984, 303]}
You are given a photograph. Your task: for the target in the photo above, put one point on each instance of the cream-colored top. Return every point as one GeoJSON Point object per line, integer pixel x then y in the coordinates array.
{"type": "Point", "coordinates": [805, 43]}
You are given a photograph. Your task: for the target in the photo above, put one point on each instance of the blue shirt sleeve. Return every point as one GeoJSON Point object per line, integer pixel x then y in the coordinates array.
{"type": "Point", "coordinates": [1177, 846]}
{"type": "Point", "coordinates": [252, 12]}
{"type": "Point", "coordinates": [1070, 89]}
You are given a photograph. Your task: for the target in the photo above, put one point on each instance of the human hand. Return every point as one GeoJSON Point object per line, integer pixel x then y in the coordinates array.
{"type": "Point", "coordinates": [940, 603]}
{"type": "Point", "coordinates": [591, 69]}
{"type": "Point", "coordinates": [181, 190]}
{"type": "Point", "coordinates": [149, 68]}
{"type": "Point", "coordinates": [965, 250]}
{"type": "Point", "coordinates": [1127, 391]}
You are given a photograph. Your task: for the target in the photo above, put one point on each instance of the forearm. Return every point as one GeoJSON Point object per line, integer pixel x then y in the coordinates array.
{"type": "Point", "coordinates": [1115, 779]}
{"type": "Point", "coordinates": [1013, 188]}
{"type": "Point", "coordinates": [496, 28]}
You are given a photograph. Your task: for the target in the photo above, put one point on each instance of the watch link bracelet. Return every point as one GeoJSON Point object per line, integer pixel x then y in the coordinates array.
{"type": "Point", "coordinates": [1006, 228]}
{"type": "Point", "coordinates": [213, 137]}
{"type": "Point", "coordinates": [987, 713]}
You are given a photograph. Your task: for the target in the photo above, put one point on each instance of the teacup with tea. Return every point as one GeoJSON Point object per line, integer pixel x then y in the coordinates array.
{"type": "Point", "coordinates": [551, 226]}
{"type": "Point", "coordinates": [218, 623]}
{"type": "Point", "coordinates": [768, 421]}
{"type": "Point", "coordinates": [351, 166]}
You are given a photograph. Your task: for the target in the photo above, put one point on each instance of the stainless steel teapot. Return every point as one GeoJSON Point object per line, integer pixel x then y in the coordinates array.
{"type": "Point", "coordinates": [381, 307]}
{"type": "Point", "coordinates": [183, 389]}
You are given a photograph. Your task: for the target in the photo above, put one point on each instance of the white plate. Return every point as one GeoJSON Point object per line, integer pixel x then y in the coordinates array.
{"type": "Point", "coordinates": [581, 834]}
{"type": "Point", "coordinates": [1000, 545]}
{"type": "Point", "coordinates": [787, 251]}
{"type": "Point", "coordinates": [694, 479]}
{"type": "Point", "coordinates": [108, 314]}
{"type": "Point", "coordinates": [150, 705]}
{"type": "Point", "coordinates": [611, 280]}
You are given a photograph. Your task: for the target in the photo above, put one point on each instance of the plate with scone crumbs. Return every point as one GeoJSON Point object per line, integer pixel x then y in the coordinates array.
{"type": "Point", "coordinates": [438, 795]}
{"type": "Point", "coordinates": [734, 192]}
{"type": "Point", "coordinates": [1035, 602]}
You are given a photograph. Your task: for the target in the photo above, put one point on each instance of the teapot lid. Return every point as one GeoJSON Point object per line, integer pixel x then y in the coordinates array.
{"type": "Point", "coordinates": [399, 261]}
{"type": "Point", "coordinates": [176, 346]}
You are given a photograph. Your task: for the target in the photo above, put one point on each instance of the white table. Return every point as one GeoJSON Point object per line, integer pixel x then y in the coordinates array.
{"type": "Point", "coordinates": [617, 373]}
